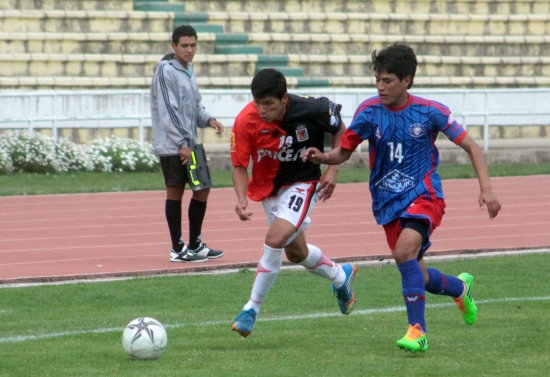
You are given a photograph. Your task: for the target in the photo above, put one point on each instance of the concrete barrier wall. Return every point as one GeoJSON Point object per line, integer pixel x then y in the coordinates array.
{"type": "Point", "coordinates": [84, 115]}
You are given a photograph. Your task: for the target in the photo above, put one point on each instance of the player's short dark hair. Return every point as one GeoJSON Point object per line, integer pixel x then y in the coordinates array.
{"type": "Point", "coordinates": [398, 59]}
{"type": "Point", "coordinates": [183, 31]}
{"type": "Point", "coordinates": [268, 83]}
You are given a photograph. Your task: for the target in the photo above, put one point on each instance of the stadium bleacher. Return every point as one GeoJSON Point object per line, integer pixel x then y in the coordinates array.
{"type": "Point", "coordinates": [114, 44]}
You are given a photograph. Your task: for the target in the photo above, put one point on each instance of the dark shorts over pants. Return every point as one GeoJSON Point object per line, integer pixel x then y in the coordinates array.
{"type": "Point", "coordinates": [175, 174]}
{"type": "Point", "coordinates": [423, 215]}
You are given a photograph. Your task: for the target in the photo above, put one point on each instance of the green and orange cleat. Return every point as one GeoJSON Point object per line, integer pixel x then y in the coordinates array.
{"type": "Point", "coordinates": [415, 340]}
{"type": "Point", "coordinates": [467, 305]}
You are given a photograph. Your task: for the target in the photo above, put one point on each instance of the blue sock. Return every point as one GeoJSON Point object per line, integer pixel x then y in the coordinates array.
{"type": "Point", "coordinates": [441, 284]}
{"type": "Point", "coordinates": [414, 292]}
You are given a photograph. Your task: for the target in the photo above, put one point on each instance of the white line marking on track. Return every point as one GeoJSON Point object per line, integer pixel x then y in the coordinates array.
{"type": "Point", "coordinates": [221, 270]}
{"type": "Point", "coordinates": [26, 338]}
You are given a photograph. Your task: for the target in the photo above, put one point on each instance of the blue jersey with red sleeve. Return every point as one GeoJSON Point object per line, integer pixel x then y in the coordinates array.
{"type": "Point", "coordinates": [402, 151]}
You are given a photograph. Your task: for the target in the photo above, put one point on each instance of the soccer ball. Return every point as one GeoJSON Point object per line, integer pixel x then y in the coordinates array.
{"type": "Point", "coordinates": [144, 339]}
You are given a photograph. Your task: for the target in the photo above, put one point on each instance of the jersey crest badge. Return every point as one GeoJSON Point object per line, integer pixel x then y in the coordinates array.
{"type": "Point", "coordinates": [417, 129]}
{"type": "Point", "coordinates": [378, 133]}
{"type": "Point", "coordinates": [301, 133]}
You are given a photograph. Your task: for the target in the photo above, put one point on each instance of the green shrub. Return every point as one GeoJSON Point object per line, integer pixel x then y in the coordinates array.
{"type": "Point", "coordinates": [36, 153]}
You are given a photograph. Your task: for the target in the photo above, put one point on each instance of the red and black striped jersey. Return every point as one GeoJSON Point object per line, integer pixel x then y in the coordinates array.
{"type": "Point", "coordinates": [276, 148]}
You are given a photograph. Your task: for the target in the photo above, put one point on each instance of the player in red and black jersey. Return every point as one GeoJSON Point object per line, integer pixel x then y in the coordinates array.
{"type": "Point", "coordinates": [276, 146]}
{"type": "Point", "coordinates": [272, 132]}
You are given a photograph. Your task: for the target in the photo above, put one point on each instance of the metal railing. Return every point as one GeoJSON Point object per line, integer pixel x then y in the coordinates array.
{"type": "Point", "coordinates": [54, 110]}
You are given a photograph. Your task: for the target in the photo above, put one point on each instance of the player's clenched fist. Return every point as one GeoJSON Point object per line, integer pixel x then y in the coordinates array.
{"type": "Point", "coordinates": [314, 155]}
{"type": "Point", "coordinates": [241, 210]}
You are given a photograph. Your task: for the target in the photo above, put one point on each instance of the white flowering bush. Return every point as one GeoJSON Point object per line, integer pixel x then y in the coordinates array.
{"type": "Point", "coordinates": [6, 164]}
{"type": "Point", "coordinates": [125, 154]}
{"type": "Point", "coordinates": [36, 153]}
{"type": "Point", "coordinates": [32, 153]}
{"type": "Point", "coordinates": [73, 157]}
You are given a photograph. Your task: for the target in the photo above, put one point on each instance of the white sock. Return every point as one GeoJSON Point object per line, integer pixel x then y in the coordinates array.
{"type": "Point", "coordinates": [319, 264]}
{"type": "Point", "coordinates": [266, 273]}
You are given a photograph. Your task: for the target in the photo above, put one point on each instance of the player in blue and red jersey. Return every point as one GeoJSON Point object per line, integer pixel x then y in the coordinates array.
{"type": "Point", "coordinates": [273, 131]}
{"type": "Point", "coordinates": [405, 186]}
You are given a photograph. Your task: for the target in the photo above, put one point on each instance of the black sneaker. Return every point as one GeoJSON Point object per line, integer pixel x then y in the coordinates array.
{"type": "Point", "coordinates": [193, 256]}
{"type": "Point", "coordinates": [177, 257]}
{"type": "Point", "coordinates": [207, 252]}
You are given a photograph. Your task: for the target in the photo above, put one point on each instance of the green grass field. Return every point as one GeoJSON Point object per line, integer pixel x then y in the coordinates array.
{"type": "Point", "coordinates": [75, 329]}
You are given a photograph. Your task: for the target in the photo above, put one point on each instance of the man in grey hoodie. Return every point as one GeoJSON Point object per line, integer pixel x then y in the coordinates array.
{"type": "Point", "coordinates": [176, 112]}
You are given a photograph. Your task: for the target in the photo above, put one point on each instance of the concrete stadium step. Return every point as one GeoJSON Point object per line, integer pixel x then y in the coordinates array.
{"type": "Point", "coordinates": [438, 66]}
{"type": "Point", "coordinates": [94, 43]}
{"type": "Point", "coordinates": [243, 82]}
{"type": "Point", "coordinates": [199, 21]}
{"type": "Point", "coordinates": [234, 44]}
{"type": "Point", "coordinates": [129, 65]}
{"type": "Point", "coordinates": [372, 6]}
{"type": "Point", "coordinates": [162, 6]}
{"type": "Point", "coordinates": [238, 49]}
{"type": "Point", "coordinates": [383, 23]}
{"type": "Point", "coordinates": [84, 21]}
{"type": "Point", "coordinates": [117, 65]}
{"type": "Point", "coordinates": [80, 65]}
{"type": "Point", "coordinates": [279, 62]}
{"type": "Point", "coordinates": [201, 27]}
{"type": "Point", "coordinates": [376, 6]}
{"type": "Point", "coordinates": [68, 4]}
{"type": "Point", "coordinates": [444, 45]}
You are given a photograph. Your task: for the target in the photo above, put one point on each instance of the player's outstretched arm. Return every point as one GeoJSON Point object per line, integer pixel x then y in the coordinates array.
{"type": "Point", "coordinates": [334, 157]}
{"type": "Point", "coordinates": [327, 184]}
{"type": "Point", "coordinates": [330, 177]}
{"type": "Point", "coordinates": [240, 184]}
{"type": "Point", "coordinates": [486, 195]}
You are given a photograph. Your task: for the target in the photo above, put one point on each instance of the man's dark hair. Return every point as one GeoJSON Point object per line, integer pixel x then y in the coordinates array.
{"type": "Point", "coordinates": [183, 31]}
{"type": "Point", "coordinates": [268, 83]}
{"type": "Point", "coordinates": [398, 59]}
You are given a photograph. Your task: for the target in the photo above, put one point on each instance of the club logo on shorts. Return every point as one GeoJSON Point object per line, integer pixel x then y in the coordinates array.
{"type": "Point", "coordinates": [301, 133]}
{"type": "Point", "coordinates": [417, 129]}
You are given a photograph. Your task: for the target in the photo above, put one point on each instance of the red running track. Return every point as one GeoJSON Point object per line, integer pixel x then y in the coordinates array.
{"type": "Point", "coordinates": [86, 236]}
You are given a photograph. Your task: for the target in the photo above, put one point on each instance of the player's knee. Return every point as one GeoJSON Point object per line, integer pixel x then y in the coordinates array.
{"type": "Point", "coordinates": [275, 241]}
{"type": "Point", "coordinates": [402, 254]}
{"type": "Point", "coordinates": [295, 254]}
{"type": "Point", "coordinates": [201, 195]}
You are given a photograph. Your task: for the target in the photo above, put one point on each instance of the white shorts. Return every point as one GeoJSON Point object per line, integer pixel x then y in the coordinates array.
{"type": "Point", "coordinates": [293, 204]}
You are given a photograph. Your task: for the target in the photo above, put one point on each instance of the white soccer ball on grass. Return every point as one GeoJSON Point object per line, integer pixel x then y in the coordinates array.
{"type": "Point", "coordinates": [144, 338]}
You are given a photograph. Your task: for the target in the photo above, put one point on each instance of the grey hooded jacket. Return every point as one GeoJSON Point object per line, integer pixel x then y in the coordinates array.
{"type": "Point", "coordinates": [176, 109]}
